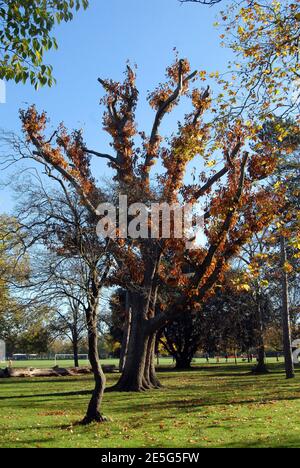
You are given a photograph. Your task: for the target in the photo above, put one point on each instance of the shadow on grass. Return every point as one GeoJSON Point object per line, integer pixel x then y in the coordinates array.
{"type": "Point", "coordinates": [53, 394]}
{"type": "Point", "coordinates": [223, 369]}
{"type": "Point", "coordinates": [287, 442]}
{"type": "Point", "coordinates": [203, 403]}
{"type": "Point", "coordinates": [32, 443]}
{"type": "Point", "coordinates": [37, 380]}
{"type": "Point", "coordinates": [62, 427]}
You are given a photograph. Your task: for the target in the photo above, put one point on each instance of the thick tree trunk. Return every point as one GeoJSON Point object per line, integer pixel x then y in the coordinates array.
{"type": "Point", "coordinates": [93, 412]}
{"type": "Point", "coordinates": [132, 377]}
{"type": "Point", "coordinates": [150, 379]}
{"type": "Point", "coordinates": [286, 320]}
{"type": "Point", "coordinates": [138, 372]}
{"type": "Point", "coordinates": [261, 367]}
{"type": "Point", "coordinates": [183, 362]}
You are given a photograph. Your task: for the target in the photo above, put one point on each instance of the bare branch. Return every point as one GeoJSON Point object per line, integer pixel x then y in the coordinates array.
{"type": "Point", "coordinates": [164, 107]}
{"type": "Point", "coordinates": [100, 155]}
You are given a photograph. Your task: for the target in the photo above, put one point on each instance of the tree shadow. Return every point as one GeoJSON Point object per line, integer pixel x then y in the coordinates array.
{"type": "Point", "coordinates": [37, 380]}
{"type": "Point", "coordinates": [41, 395]}
{"type": "Point", "coordinates": [288, 442]}
{"type": "Point", "coordinates": [31, 442]}
{"type": "Point", "coordinates": [198, 402]}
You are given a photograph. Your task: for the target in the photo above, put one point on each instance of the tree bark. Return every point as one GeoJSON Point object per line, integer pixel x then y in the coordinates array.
{"type": "Point", "coordinates": [286, 320]}
{"type": "Point", "coordinates": [75, 350]}
{"type": "Point", "coordinates": [139, 367]}
{"type": "Point", "coordinates": [125, 341]}
{"type": "Point", "coordinates": [150, 377]}
{"type": "Point", "coordinates": [132, 376]}
{"type": "Point", "coordinates": [183, 362]}
{"type": "Point", "coordinates": [261, 367]}
{"type": "Point", "coordinates": [93, 412]}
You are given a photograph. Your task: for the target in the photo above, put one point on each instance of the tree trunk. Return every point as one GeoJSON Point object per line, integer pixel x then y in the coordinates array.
{"type": "Point", "coordinates": [125, 341]}
{"type": "Point", "coordinates": [139, 367]}
{"type": "Point", "coordinates": [139, 372]}
{"type": "Point", "coordinates": [93, 412]}
{"type": "Point", "coordinates": [132, 376]}
{"type": "Point", "coordinates": [150, 377]}
{"type": "Point", "coordinates": [286, 320]}
{"type": "Point", "coordinates": [261, 367]}
{"type": "Point", "coordinates": [75, 350]}
{"type": "Point", "coordinates": [183, 362]}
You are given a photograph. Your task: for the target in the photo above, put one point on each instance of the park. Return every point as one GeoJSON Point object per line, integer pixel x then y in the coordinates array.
{"type": "Point", "coordinates": [149, 226]}
{"type": "Point", "coordinates": [206, 407]}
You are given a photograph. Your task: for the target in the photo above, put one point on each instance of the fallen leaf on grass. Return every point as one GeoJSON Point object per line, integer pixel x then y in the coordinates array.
{"type": "Point", "coordinates": [53, 413]}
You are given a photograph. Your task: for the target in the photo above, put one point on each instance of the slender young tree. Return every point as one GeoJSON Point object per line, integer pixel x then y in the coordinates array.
{"type": "Point", "coordinates": [68, 262]}
{"type": "Point", "coordinates": [281, 133]}
{"type": "Point", "coordinates": [286, 318]}
{"type": "Point", "coordinates": [68, 320]}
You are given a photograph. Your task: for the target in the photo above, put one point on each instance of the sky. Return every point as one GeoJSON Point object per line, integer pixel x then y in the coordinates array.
{"type": "Point", "coordinates": [98, 43]}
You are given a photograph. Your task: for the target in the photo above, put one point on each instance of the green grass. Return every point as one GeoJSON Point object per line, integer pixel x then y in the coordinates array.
{"type": "Point", "coordinates": [166, 361]}
{"type": "Point", "coordinates": [216, 406]}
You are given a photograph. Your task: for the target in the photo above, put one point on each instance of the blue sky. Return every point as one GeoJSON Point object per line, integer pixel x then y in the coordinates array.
{"type": "Point", "coordinates": [98, 43]}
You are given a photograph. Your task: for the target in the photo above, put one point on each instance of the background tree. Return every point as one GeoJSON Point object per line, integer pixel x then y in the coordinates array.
{"type": "Point", "coordinates": [25, 329]}
{"type": "Point", "coordinates": [25, 36]}
{"type": "Point", "coordinates": [229, 321]}
{"type": "Point", "coordinates": [182, 338]}
{"type": "Point", "coordinates": [256, 262]}
{"type": "Point", "coordinates": [68, 262]}
{"type": "Point", "coordinates": [69, 319]}
{"type": "Point", "coordinates": [12, 272]}
{"type": "Point", "coordinates": [263, 78]}
{"type": "Point", "coordinates": [288, 174]}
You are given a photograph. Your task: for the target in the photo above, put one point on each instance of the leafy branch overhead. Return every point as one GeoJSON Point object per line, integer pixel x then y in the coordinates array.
{"type": "Point", "coordinates": [25, 37]}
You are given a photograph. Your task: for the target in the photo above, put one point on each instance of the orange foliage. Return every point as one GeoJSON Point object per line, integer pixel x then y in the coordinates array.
{"type": "Point", "coordinates": [235, 207]}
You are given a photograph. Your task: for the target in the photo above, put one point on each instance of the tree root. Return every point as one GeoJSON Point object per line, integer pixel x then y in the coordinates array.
{"type": "Point", "coordinates": [97, 418]}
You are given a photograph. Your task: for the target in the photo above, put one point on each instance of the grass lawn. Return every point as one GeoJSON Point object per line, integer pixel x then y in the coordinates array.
{"type": "Point", "coordinates": [164, 362]}
{"type": "Point", "coordinates": [215, 406]}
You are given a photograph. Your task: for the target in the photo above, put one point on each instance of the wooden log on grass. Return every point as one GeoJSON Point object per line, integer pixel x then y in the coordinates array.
{"type": "Point", "coordinates": [11, 372]}
{"type": "Point", "coordinates": [26, 372]}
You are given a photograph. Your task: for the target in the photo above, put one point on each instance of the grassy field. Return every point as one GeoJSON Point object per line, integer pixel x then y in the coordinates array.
{"type": "Point", "coordinates": [214, 406]}
{"type": "Point", "coordinates": [163, 362]}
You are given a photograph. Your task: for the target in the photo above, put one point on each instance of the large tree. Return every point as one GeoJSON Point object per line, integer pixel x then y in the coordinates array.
{"type": "Point", "coordinates": [236, 205]}
{"type": "Point", "coordinates": [25, 36]}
